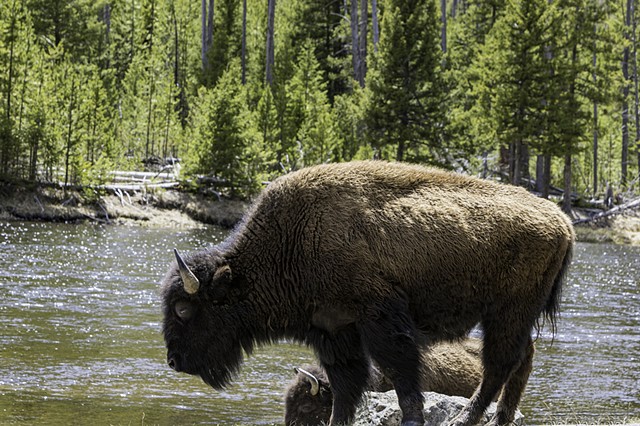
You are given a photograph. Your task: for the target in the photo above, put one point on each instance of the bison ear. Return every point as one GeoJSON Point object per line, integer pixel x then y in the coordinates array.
{"type": "Point", "coordinates": [222, 276]}
{"type": "Point", "coordinates": [220, 283]}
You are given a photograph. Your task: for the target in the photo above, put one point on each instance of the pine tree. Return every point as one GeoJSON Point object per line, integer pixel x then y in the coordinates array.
{"type": "Point", "coordinates": [261, 153]}
{"type": "Point", "coordinates": [467, 33]}
{"type": "Point", "coordinates": [74, 22]}
{"type": "Point", "coordinates": [572, 96]}
{"type": "Point", "coordinates": [349, 112]}
{"type": "Point", "coordinates": [315, 135]}
{"type": "Point", "coordinates": [219, 129]}
{"type": "Point", "coordinates": [406, 109]}
{"type": "Point", "coordinates": [122, 49]}
{"type": "Point", "coordinates": [512, 81]}
{"type": "Point", "coordinates": [226, 39]}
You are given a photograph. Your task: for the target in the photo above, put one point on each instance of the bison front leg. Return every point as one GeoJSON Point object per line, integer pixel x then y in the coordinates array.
{"type": "Point", "coordinates": [390, 338]}
{"type": "Point", "coordinates": [348, 381]}
{"type": "Point", "coordinates": [347, 368]}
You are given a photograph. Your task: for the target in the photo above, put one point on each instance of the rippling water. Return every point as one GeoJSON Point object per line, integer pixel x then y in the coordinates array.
{"type": "Point", "coordinates": [80, 336]}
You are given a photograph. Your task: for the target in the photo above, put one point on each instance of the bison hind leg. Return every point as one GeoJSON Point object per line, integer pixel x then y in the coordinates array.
{"type": "Point", "coordinates": [507, 357]}
{"type": "Point", "coordinates": [513, 389]}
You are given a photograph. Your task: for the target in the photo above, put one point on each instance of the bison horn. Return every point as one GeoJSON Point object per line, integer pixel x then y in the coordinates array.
{"type": "Point", "coordinates": [313, 381]}
{"type": "Point", "coordinates": [190, 281]}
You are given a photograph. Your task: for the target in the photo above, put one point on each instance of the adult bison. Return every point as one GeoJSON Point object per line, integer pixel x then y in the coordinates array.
{"type": "Point", "coordinates": [372, 260]}
{"type": "Point", "coordinates": [448, 368]}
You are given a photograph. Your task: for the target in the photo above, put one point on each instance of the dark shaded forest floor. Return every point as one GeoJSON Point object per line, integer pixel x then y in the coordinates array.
{"type": "Point", "coordinates": [180, 209]}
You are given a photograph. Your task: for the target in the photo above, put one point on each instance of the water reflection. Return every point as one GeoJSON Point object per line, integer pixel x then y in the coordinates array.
{"type": "Point", "coordinates": [592, 371]}
{"type": "Point", "coordinates": [80, 336]}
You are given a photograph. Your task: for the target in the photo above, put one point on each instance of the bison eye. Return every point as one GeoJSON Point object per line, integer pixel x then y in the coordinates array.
{"type": "Point", "coordinates": [184, 310]}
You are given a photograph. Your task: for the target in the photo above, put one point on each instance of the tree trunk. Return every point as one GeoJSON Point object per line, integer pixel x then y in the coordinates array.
{"type": "Point", "coordinates": [364, 18]}
{"type": "Point", "coordinates": [516, 162]}
{"type": "Point", "coordinates": [635, 80]}
{"type": "Point", "coordinates": [210, 26]}
{"type": "Point", "coordinates": [203, 33]}
{"type": "Point", "coordinates": [12, 38]}
{"type": "Point", "coordinates": [153, 24]}
{"type": "Point", "coordinates": [107, 22]}
{"type": "Point", "coordinates": [243, 56]}
{"type": "Point", "coordinates": [69, 131]}
{"type": "Point", "coordinates": [443, 17]}
{"type": "Point", "coordinates": [595, 119]}
{"type": "Point", "coordinates": [524, 162]}
{"type": "Point", "coordinates": [625, 101]}
{"type": "Point", "coordinates": [271, 14]}
{"type": "Point", "coordinates": [148, 151]}
{"type": "Point", "coordinates": [400, 151]}
{"type": "Point", "coordinates": [546, 176]}
{"type": "Point", "coordinates": [23, 91]}
{"type": "Point", "coordinates": [374, 25]}
{"type": "Point", "coordinates": [132, 30]}
{"type": "Point", "coordinates": [35, 142]}
{"type": "Point", "coordinates": [543, 174]}
{"type": "Point", "coordinates": [539, 173]}
{"type": "Point", "coordinates": [106, 18]}
{"type": "Point", "coordinates": [176, 50]}
{"type": "Point", "coordinates": [207, 31]}
{"type": "Point", "coordinates": [355, 44]}
{"type": "Point", "coordinates": [165, 145]}
{"type": "Point", "coordinates": [566, 197]}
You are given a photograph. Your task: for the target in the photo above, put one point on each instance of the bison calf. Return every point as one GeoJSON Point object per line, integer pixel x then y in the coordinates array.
{"type": "Point", "coordinates": [370, 260]}
{"type": "Point", "coordinates": [447, 368]}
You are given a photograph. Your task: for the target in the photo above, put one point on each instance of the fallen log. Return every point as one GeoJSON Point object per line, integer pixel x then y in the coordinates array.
{"type": "Point", "coordinates": [608, 213]}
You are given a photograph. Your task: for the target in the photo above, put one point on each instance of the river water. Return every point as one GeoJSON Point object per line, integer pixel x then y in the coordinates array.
{"type": "Point", "coordinates": [80, 339]}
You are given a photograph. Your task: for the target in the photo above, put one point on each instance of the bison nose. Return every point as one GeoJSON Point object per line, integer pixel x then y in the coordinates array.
{"type": "Point", "coordinates": [173, 360]}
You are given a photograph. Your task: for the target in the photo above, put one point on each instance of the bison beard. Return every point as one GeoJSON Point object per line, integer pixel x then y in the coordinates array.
{"type": "Point", "coordinates": [370, 260]}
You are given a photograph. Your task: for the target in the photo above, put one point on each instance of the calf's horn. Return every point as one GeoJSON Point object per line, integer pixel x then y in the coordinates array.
{"type": "Point", "coordinates": [190, 281]}
{"type": "Point", "coordinates": [313, 381]}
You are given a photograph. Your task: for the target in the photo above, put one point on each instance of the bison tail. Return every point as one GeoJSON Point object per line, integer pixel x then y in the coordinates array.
{"type": "Point", "coordinates": [551, 310]}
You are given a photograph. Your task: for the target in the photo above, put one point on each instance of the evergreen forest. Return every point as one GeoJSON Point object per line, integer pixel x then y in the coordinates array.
{"type": "Point", "coordinates": [539, 93]}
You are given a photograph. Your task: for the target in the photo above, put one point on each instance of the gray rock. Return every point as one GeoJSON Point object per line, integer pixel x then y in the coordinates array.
{"type": "Point", "coordinates": [382, 409]}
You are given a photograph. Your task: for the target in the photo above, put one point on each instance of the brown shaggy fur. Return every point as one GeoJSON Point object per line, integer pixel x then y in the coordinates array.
{"type": "Point", "coordinates": [448, 368]}
{"type": "Point", "coordinates": [373, 260]}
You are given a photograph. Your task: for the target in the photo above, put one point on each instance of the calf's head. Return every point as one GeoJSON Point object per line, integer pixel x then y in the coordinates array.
{"type": "Point", "coordinates": [203, 318]}
{"type": "Point", "coordinates": [308, 399]}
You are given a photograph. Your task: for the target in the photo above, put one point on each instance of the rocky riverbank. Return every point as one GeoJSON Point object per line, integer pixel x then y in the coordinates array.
{"type": "Point", "coordinates": [621, 229]}
{"type": "Point", "coordinates": [160, 208]}
{"type": "Point", "coordinates": [382, 409]}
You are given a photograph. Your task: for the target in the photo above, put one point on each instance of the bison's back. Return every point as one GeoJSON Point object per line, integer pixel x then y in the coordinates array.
{"type": "Point", "coordinates": [450, 243]}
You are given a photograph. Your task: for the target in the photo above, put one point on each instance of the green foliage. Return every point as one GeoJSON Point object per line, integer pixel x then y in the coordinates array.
{"type": "Point", "coordinates": [311, 137]}
{"type": "Point", "coordinates": [88, 86]}
{"type": "Point", "coordinates": [219, 129]}
{"type": "Point", "coordinates": [407, 93]}
{"type": "Point", "coordinates": [226, 39]}
{"type": "Point", "coordinates": [513, 74]}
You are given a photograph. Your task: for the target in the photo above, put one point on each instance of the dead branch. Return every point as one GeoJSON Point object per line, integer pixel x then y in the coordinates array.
{"type": "Point", "coordinates": [39, 203]}
{"type": "Point", "coordinates": [614, 211]}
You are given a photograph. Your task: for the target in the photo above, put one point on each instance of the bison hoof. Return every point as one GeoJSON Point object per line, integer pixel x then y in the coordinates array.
{"type": "Point", "coordinates": [460, 421]}
{"type": "Point", "coordinates": [498, 420]}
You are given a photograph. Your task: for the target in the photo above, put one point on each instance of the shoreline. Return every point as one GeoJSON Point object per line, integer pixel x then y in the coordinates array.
{"type": "Point", "coordinates": [176, 208]}
{"type": "Point", "coordinates": [157, 208]}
